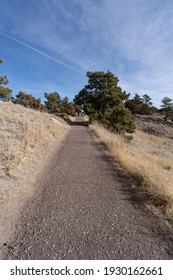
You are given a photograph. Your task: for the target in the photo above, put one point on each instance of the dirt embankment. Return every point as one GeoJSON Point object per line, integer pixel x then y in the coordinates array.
{"type": "Point", "coordinates": [154, 124]}
{"type": "Point", "coordinates": [27, 139]}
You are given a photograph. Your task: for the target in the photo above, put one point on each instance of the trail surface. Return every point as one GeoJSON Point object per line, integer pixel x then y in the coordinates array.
{"type": "Point", "coordinates": [83, 210]}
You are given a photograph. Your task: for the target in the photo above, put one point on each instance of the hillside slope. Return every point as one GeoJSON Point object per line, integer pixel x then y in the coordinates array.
{"type": "Point", "coordinates": [154, 124]}
{"type": "Point", "coordinates": [27, 139]}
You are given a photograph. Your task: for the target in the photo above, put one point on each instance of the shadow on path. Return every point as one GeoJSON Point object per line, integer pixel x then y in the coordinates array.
{"type": "Point", "coordinates": [83, 123]}
{"type": "Point", "coordinates": [78, 121]}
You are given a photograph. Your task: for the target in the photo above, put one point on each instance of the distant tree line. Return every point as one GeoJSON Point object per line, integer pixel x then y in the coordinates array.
{"type": "Point", "coordinates": [54, 104]}
{"type": "Point", "coordinates": [104, 101]}
{"type": "Point", "coordinates": [28, 101]}
{"type": "Point", "coordinates": [101, 99]}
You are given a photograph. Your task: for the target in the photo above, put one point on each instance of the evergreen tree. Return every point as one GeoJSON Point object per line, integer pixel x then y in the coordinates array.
{"type": "Point", "coordinates": [67, 107]}
{"type": "Point", "coordinates": [27, 100]}
{"type": "Point", "coordinates": [56, 105]}
{"type": "Point", "coordinates": [5, 93]}
{"type": "Point", "coordinates": [167, 106]}
{"type": "Point", "coordinates": [103, 100]}
{"type": "Point", "coordinates": [53, 102]}
{"type": "Point", "coordinates": [140, 105]}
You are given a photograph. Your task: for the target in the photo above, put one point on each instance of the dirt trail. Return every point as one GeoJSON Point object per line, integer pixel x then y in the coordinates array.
{"type": "Point", "coordinates": [83, 210]}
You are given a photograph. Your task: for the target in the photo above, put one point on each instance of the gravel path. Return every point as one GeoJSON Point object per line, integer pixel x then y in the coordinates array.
{"type": "Point", "coordinates": [83, 210]}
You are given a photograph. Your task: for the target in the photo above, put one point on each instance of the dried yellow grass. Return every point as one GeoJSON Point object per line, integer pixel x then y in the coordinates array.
{"type": "Point", "coordinates": [25, 133]}
{"type": "Point", "coordinates": [162, 162]}
{"type": "Point", "coordinates": [86, 118]}
{"type": "Point", "coordinates": [154, 170]}
{"type": "Point", "coordinates": [28, 139]}
{"type": "Point", "coordinates": [153, 138]}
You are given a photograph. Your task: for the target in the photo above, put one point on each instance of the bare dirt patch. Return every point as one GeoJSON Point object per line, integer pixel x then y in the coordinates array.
{"type": "Point", "coordinates": [154, 124]}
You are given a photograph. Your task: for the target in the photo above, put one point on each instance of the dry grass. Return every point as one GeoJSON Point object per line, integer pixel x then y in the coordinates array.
{"type": "Point", "coordinates": [24, 133]}
{"type": "Point", "coordinates": [151, 138]}
{"type": "Point", "coordinates": [27, 139]}
{"type": "Point", "coordinates": [149, 158]}
{"type": "Point", "coordinates": [86, 118]}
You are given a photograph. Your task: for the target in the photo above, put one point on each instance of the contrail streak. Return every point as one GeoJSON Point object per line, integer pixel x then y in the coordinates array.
{"type": "Point", "coordinates": [40, 52]}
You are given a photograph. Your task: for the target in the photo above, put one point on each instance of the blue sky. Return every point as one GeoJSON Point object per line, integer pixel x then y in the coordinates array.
{"type": "Point", "coordinates": [48, 45]}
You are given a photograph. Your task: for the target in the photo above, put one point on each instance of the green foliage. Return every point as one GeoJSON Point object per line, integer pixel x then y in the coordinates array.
{"type": "Point", "coordinates": [103, 100]}
{"type": "Point", "coordinates": [120, 120]}
{"type": "Point", "coordinates": [81, 99]}
{"type": "Point", "coordinates": [67, 107]}
{"type": "Point", "coordinates": [167, 108]}
{"type": "Point", "coordinates": [3, 80]}
{"type": "Point", "coordinates": [27, 100]}
{"type": "Point", "coordinates": [77, 108]}
{"type": "Point", "coordinates": [140, 105]}
{"type": "Point", "coordinates": [55, 104]}
{"type": "Point", "coordinates": [5, 93]}
{"type": "Point", "coordinates": [167, 167]}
